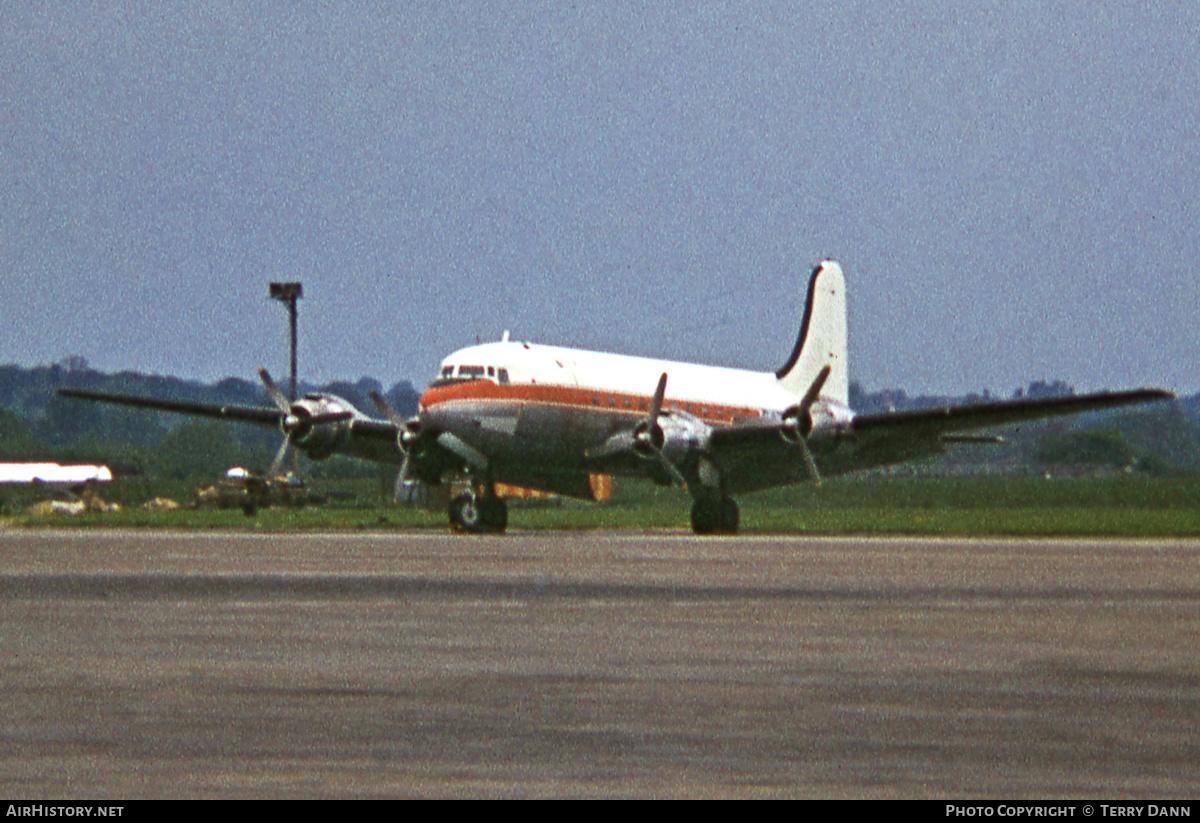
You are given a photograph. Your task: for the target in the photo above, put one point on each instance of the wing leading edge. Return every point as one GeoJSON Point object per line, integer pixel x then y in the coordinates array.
{"type": "Point", "coordinates": [952, 419]}
{"type": "Point", "coordinates": [243, 414]}
{"type": "Point", "coordinates": [362, 426]}
{"type": "Point", "coordinates": [760, 456]}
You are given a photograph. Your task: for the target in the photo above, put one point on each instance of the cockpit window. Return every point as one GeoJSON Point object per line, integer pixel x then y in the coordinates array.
{"type": "Point", "coordinates": [459, 374]}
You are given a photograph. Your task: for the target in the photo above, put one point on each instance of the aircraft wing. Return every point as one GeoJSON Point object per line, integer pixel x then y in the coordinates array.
{"type": "Point", "coordinates": [759, 456]}
{"type": "Point", "coordinates": [371, 439]}
{"type": "Point", "coordinates": [243, 414]}
{"type": "Point", "coordinates": [953, 419]}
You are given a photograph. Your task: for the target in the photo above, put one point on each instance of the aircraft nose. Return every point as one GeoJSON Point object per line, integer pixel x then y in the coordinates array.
{"type": "Point", "coordinates": [445, 417]}
{"type": "Point", "coordinates": [433, 417]}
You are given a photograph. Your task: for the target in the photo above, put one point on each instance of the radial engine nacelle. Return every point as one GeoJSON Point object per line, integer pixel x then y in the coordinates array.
{"type": "Point", "coordinates": [818, 421]}
{"type": "Point", "coordinates": [318, 424]}
{"type": "Point", "coordinates": [675, 435]}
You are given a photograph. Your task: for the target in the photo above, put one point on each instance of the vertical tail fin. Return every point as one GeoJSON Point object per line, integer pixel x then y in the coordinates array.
{"type": "Point", "coordinates": [822, 339]}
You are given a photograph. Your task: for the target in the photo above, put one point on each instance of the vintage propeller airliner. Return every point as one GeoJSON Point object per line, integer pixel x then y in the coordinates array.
{"type": "Point", "coordinates": [549, 418]}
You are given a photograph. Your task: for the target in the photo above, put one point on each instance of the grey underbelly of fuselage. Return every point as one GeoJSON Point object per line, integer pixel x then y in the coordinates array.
{"type": "Point", "coordinates": [553, 435]}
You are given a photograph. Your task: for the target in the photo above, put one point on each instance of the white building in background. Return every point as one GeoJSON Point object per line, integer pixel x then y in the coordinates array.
{"type": "Point", "coordinates": [52, 474]}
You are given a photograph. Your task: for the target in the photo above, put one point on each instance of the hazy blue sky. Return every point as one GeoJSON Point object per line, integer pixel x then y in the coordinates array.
{"type": "Point", "coordinates": [1011, 187]}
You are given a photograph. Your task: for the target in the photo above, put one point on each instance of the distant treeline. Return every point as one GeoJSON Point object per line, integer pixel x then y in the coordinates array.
{"type": "Point", "coordinates": [37, 424]}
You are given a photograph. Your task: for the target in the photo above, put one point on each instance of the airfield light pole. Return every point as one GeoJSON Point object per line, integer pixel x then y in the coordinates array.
{"type": "Point", "coordinates": [289, 293]}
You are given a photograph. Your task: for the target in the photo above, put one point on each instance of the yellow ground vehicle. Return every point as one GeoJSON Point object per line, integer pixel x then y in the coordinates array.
{"type": "Point", "coordinates": [248, 491]}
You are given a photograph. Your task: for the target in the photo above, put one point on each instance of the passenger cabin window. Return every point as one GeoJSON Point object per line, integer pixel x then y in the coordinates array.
{"type": "Point", "coordinates": [502, 373]}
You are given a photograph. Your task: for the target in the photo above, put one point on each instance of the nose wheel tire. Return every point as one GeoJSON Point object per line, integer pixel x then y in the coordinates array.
{"type": "Point", "coordinates": [479, 514]}
{"type": "Point", "coordinates": [715, 516]}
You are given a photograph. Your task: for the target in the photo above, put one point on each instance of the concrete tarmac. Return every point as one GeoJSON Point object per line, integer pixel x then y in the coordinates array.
{"type": "Point", "coordinates": [142, 664]}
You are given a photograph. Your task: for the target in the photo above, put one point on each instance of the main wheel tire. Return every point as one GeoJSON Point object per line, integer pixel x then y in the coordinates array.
{"type": "Point", "coordinates": [705, 517]}
{"type": "Point", "coordinates": [715, 516]}
{"type": "Point", "coordinates": [495, 513]}
{"type": "Point", "coordinates": [729, 516]}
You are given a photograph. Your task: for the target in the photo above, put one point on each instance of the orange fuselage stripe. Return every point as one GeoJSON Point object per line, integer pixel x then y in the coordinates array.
{"type": "Point", "coordinates": [574, 396]}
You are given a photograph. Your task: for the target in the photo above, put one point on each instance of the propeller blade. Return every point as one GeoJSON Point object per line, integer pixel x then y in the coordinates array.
{"type": "Point", "coordinates": [277, 397]}
{"type": "Point", "coordinates": [810, 398]}
{"type": "Point", "coordinates": [800, 424]}
{"type": "Point", "coordinates": [280, 457]}
{"type": "Point", "coordinates": [814, 391]}
{"type": "Point", "coordinates": [401, 477]}
{"type": "Point", "coordinates": [657, 401]}
{"type": "Point", "coordinates": [676, 475]}
{"type": "Point", "coordinates": [469, 454]}
{"type": "Point", "coordinates": [389, 411]}
{"type": "Point", "coordinates": [647, 437]}
{"type": "Point", "coordinates": [392, 416]}
{"type": "Point", "coordinates": [809, 462]}
{"type": "Point", "coordinates": [620, 443]}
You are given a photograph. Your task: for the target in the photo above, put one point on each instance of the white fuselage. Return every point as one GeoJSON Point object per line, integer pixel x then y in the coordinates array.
{"type": "Point", "coordinates": [545, 416]}
{"type": "Point", "coordinates": [588, 379]}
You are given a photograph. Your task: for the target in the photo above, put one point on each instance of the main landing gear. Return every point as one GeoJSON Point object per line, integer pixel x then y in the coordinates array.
{"type": "Point", "coordinates": [479, 513]}
{"type": "Point", "coordinates": [714, 515]}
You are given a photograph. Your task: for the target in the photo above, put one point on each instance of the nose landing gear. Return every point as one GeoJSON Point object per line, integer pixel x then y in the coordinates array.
{"type": "Point", "coordinates": [479, 513]}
